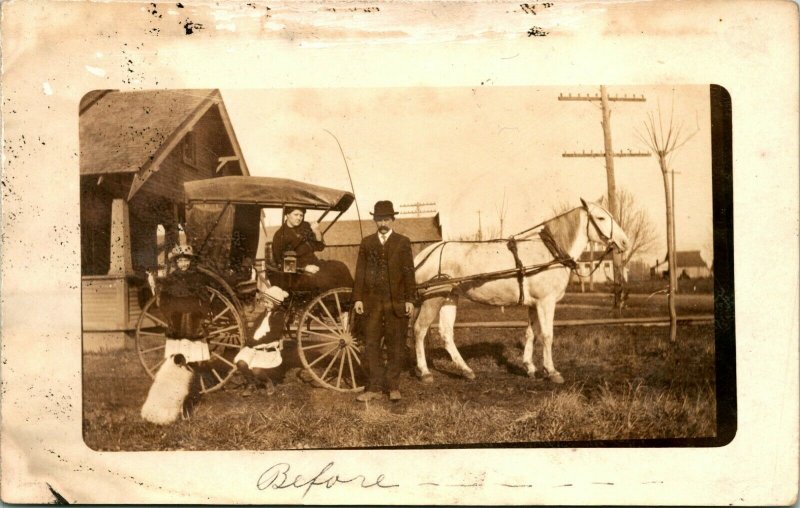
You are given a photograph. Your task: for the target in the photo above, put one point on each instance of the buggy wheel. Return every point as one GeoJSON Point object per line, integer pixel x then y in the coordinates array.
{"type": "Point", "coordinates": [226, 335]}
{"type": "Point", "coordinates": [151, 337]}
{"type": "Point", "coordinates": [224, 330]}
{"type": "Point", "coordinates": [326, 345]}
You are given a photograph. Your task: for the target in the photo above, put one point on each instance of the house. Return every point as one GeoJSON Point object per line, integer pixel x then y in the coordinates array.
{"type": "Point", "coordinates": [589, 260]}
{"type": "Point", "coordinates": [136, 151]}
{"type": "Point", "coordinates": [689, 262]}
{"type": "Point", "coordinates": [344, 237]}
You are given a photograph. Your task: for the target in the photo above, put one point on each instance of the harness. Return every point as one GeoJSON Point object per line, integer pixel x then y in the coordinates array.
{"type": "Point", "coordinates": [520, 271]}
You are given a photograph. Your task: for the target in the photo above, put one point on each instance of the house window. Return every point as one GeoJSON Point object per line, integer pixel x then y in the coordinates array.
{"type": "Point", "coordinates": [190, 149]}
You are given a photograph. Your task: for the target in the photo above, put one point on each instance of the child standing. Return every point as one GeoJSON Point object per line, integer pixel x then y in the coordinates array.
{"type": "Point", "coordinates": [183, 300]}
{"type": "Point", "coordinates": [262, 356]}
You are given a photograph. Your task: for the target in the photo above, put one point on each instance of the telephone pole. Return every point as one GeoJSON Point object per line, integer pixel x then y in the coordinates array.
{"type": "Point", "coordinates": [609, 155]}
{"type": "Point", "coordinates": [417, 208]}
{"type": "Point", "coordinates": [480, 229]}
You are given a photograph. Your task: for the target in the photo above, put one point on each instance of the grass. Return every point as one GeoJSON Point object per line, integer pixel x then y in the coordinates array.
{"type": "Point", "coordinates": [620, 384]}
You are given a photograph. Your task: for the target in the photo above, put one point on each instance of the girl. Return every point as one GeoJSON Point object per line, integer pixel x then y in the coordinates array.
{"type": "Point", "coordinates": [261, 357]}
{"type": "Point", "coordinates": [183, 300]}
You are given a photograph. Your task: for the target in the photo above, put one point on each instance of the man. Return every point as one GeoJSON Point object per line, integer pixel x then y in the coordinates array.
{"type": "Point", "coordinates": [383, 292]}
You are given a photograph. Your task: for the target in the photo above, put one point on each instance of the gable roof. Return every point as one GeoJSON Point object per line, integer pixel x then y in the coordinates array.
{"type": "Point", "coordinates": [689, 258]}
{"type": "Point", "coordinates": [121, 132]}
{"type": "Point", "coordinates": [586, 256]}
{"type": "Point", "coordinates": [686, 259]}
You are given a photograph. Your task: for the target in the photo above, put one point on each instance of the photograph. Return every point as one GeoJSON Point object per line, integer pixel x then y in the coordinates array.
{"type": "Point", "coordinates": [288, 269]}
{"type": "Point", "coordinates": [399, 253]}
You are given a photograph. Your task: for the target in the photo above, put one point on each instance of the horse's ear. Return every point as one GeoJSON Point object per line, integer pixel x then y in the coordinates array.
{"type": "Point", "coordinates": [585, 205]}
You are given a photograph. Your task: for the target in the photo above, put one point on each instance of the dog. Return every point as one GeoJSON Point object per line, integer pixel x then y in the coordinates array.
{"type": "Point", "coordinates": [167, 396]}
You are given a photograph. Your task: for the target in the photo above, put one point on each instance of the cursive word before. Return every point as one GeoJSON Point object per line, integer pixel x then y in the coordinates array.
{"type": "Point", "coordinates": [278, 476]}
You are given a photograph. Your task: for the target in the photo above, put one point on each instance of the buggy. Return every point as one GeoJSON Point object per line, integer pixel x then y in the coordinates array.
{"type": "Point", "coordinates": [223, 216]}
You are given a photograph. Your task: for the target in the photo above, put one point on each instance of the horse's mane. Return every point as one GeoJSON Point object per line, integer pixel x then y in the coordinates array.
{"type": "Point", "coordinates": [564, 228]}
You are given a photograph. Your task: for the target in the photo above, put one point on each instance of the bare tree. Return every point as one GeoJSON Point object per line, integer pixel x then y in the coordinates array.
{"type": "Point", "coordinates": [636, 223]}
{"type": "Point", "coordinates": [665, 145]}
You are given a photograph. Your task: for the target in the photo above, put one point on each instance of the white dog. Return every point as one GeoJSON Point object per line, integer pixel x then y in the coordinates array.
{"type": "Point", "coordinates": [165, 400]}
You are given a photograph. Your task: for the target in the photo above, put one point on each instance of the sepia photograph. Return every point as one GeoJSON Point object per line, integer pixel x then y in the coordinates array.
{"type": "Point", "coordinates": [399, 253]}
{"type": "Point", "coordinates": [405, 267]}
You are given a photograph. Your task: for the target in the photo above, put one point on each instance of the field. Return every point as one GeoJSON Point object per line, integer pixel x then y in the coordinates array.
{"type": "Point", "coordinates": [622, 382]}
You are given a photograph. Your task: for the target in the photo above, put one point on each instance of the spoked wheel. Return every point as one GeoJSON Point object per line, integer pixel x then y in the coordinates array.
{"type": "Point", "coordinates": [225, 333]}
{"type": "Point", "coordinates": [326, 345]}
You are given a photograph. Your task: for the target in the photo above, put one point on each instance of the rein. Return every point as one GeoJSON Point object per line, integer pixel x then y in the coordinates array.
{"type": "Point", "coordinates": [520, 271]}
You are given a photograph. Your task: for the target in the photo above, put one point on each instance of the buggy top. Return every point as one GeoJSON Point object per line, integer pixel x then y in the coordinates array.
{"type": "Point", "coordinates": [223, 215]}
{"type": "Point", "coordinates": [267, 192]}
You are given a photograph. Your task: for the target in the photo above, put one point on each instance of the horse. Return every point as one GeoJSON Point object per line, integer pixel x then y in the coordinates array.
{"type": "Point", "coordinates": [530, 269]}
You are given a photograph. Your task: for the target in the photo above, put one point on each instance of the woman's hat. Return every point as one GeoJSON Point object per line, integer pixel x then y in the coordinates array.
{"type": "Point", "coordinates": [384, 209]}
{"type": "Point", "coordinates": [181, 251]}
{"type": "Point", "coordinates": [275, 294]}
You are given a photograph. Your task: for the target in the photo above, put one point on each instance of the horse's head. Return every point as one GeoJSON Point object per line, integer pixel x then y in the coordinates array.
{"type": "Point", "coordinates": [603, 228]}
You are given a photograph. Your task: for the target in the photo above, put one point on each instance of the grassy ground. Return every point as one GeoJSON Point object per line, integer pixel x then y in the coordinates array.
{"type": "Point", "coordinates": [619, 385]}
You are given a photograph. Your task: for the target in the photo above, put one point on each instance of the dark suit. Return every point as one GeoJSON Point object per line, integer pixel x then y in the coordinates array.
{"type": "Point", "coordinates": [384, 283]}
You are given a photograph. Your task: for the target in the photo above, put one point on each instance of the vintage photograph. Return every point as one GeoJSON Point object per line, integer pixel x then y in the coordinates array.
{"type": "Point", "coordinates": [330, 268]}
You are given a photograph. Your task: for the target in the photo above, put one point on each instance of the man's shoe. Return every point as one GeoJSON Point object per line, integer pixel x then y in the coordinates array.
{"type": "Point", "coordinates": [394, 395]}
{"type": "Point", "coordinates": [368, 396]}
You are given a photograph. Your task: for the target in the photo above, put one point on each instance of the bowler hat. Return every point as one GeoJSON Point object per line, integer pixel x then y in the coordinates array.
{"type": "Point", "coordinates": [384, 209]}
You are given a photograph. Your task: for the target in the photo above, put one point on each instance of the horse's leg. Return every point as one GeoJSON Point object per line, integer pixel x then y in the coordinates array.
{"type": "Point", "coordinates": [447, 318]}
{"type": "Point", "coordinates": [425, 316]}
{"type": "Point", "coordinates": [527, 354]}
{"type": "Point", "coordinates": [545, 312]}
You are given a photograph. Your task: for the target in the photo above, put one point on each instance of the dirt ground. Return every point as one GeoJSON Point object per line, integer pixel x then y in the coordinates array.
{"type": "Point", "coordinates": [621, 383]}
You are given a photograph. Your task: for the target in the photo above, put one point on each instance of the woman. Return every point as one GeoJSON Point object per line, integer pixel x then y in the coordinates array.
{"type": "Point", "coordinates": [304, 239]}
{"type": "Point", "coordinates": [261, 358]}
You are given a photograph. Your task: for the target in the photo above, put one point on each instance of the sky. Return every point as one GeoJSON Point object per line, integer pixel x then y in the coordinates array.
{"type": "Point", "coordinates": [467, 149]}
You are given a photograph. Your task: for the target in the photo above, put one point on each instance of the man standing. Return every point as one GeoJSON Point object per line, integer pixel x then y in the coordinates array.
{"type": "Point", "coordinates": [383, 292]}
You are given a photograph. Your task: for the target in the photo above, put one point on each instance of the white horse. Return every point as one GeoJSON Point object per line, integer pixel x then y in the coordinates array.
{"type": "Point", "coordinates": [536, 277]}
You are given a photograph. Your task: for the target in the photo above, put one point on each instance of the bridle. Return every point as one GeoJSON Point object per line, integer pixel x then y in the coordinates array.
{"type": "Point", "coordinates": [607, 239]}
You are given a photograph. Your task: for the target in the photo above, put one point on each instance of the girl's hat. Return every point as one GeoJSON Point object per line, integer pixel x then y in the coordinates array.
{"type": "Point", "coordinates": [181, 251]}
{"type": "Point", "coordinates": [275, 294]}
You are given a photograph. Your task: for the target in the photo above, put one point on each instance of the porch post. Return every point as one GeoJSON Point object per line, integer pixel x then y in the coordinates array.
{"type": "Point", "coordinates": [120, 260]}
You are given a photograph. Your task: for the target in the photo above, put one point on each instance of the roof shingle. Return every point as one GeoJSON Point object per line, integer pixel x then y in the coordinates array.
{"type": "Point", "coordinates": [121, 131]}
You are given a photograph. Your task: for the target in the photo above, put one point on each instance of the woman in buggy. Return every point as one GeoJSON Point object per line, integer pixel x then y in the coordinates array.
{"type": "Point", "coordinates": [302, 239]}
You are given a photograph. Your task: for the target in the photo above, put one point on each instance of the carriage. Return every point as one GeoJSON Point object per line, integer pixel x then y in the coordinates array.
{"type": "Point", "coordinates": [223, 218]}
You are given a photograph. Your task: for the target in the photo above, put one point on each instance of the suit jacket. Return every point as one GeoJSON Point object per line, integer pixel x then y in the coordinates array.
{"type": "Point", "coordinates": [370, 286]}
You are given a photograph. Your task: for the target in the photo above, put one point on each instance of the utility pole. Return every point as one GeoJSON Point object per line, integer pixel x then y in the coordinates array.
{"type": "Point", "coordinates": [609, 155]}
{"type": "Point", "coordinates": [480, 229]}
{"type": "Point", "coordinates": [418, 208]}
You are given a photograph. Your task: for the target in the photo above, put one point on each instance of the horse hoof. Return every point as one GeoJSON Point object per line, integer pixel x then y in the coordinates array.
{"type": "Point", "coordinates": [469, 375]}
{"type": "Point", "coordinates": [532, 374]}
{"type": "Point", "coordinates": [426, 378]}
{"type": "Point", "coordinates": [556, 378]}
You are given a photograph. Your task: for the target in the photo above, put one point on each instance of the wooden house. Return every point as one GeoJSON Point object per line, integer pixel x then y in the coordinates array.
{"type": "Point", "coordinates": [690, 265]}
{"type": "Point", "coordinates": [136, 151]}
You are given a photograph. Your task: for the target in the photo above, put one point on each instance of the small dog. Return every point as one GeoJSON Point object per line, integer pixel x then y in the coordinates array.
{"type": "Point", "coordinates": [167, 396]}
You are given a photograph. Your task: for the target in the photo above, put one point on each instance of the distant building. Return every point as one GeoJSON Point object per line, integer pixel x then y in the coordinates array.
{"type": "Point", "coordinates": [136, 151]}
{"type": "Point", "coordinates": [344, 237]}
{"type": "Point", "coordinates": [589, 260]}
{"type": "Point", "coordinates": [689, 262]}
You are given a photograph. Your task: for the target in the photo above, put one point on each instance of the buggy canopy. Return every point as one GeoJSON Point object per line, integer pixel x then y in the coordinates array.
{"type": "Point", "coordinates": [266, 192]}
